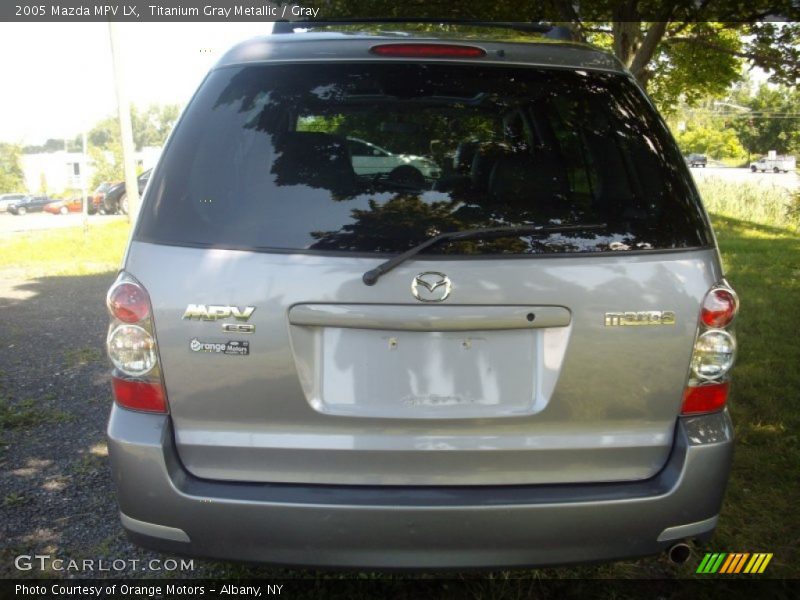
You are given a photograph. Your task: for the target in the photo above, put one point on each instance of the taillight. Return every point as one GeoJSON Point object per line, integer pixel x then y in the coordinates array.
{"type": "Point", "coordinates": [428, 51]}
{"type": "Point", "coordinates": [128, 302]}
{"type": "Point", "coordinates": [132, 350]}
{"type": "Point", "coordinates": [714, 353]}
{"type": "Point", "coordinates": [139, 395]}
{"type": "Point", "coordinates": [131, 344]}
{"type": "Point", "coordinates": [705, 398]}
{"type": "Point", "coordinates": [719, 307]}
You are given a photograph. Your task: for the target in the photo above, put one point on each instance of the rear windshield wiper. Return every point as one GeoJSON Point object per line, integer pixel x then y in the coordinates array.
{"type": "Point", "coordinates": [371, 277]}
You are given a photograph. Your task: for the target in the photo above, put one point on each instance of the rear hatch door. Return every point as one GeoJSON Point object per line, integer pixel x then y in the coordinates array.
{"type": "Point", "coordinates": [513, 359]}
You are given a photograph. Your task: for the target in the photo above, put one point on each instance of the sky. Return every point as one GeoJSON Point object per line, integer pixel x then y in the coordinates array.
{"type": "Point", "coordinates": [58, 79]}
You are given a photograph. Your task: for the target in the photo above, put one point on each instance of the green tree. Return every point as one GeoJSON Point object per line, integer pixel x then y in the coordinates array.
{"type": "Point", "coordinates": [152, 125]}
{"type": "Point", "coordinates": [51, 145]}
{"type": "Point", "coordinates": [11, 176]}
{"type": "Point", "coordinates": [773, 121]}
{"type": "Point", "coordinates": [105, 133]}
{"type": "Point", "coordinates": [713, 141]}
{"type": "Point", "coordinates": [107, 164]}
{"type": "Point", "coordinates": [679, 67]}
{"type": "Point", "coordinates": [105, 151]}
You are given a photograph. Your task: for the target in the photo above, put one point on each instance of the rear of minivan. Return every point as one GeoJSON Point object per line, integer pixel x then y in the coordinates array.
{"type": "Point", "coordinates": [518, 357]}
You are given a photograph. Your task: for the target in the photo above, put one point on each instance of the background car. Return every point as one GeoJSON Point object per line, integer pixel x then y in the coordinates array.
{"type": "Point", "coordinates": [697, 160]}
{"type": "Point", "coordinates": [116, 200]}
{"type": "Point", "coordinates": [62, 207]}
{"type": "Point", "coordinates": [29, 204]}
{"type": "Point", "coordinates": [369, 159]}
{"type": "Point", "coordinates": [97, 197]}
{"type": "Point", "coordinates": [6, 199]}
{"type": "Point", "coordinates": [776, 164]}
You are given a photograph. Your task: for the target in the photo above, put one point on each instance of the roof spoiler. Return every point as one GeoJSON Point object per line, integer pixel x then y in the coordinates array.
{"type": "Point", "coordinates": [555, 32]}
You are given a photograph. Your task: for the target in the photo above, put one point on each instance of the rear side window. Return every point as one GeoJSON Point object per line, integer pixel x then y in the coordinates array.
{"type": "Point", "coordinates": [377, 157]}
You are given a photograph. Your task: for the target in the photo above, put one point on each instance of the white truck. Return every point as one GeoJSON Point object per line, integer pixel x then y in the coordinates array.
{"type": "Point", "coordinates": [775, 164]}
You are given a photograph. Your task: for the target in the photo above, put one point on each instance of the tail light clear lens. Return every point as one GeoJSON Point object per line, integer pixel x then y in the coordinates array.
{"type": "Point", "coordinates": [714, 353]}
{"type": "Point", "coordinates": [132, 350]}
{"type": "Point", "coordinates": [132, 347]}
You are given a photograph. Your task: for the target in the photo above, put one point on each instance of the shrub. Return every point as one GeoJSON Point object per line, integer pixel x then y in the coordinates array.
{"type": "Point", "coordinates": [767, 205]}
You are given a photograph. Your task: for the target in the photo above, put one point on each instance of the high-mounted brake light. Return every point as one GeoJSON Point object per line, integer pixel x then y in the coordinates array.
{"type": "Point", "coordinates": [428, 51]}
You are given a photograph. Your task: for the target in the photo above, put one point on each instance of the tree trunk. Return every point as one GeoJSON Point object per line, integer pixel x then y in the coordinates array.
{"type": "Point", "coordinates": [626, 29]}
{"type": "Point", "coordinates": [645, 52]}
{"type": "Point", "coordinates": [627, 37]}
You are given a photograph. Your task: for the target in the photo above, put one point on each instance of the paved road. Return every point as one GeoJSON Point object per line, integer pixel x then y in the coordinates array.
{"type": "Point", "coordinates": [790, 181]}
{"type": "Point", "coordinates": [11, 224]}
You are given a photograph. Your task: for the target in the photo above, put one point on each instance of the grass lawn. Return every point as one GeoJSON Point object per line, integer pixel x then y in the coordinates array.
{"type": "Point", "coordinates": [65, 251]}
{"type": "Point", "coordinates": [759, 514]}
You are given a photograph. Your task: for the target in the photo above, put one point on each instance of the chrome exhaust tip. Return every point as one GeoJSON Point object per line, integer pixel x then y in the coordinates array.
{"type": "Point", "coordinates": [679, 553]}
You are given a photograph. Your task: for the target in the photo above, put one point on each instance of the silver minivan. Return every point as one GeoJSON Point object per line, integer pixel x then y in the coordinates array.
{"type": "Point", "coordinates": [523, 360]}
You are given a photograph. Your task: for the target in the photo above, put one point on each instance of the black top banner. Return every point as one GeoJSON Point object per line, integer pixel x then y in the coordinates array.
{"type": "Point", "coordinates": [186, 10]}
{"type": "Point", "coordinates": [499, 10]}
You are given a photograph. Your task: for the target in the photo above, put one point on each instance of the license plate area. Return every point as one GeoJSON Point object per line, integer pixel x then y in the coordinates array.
{"type": "Point", "coordinates": [431, 374]}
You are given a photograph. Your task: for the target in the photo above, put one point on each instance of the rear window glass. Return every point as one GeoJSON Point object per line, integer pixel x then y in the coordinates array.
{"type": "Point", "coordinates": [378, 157]}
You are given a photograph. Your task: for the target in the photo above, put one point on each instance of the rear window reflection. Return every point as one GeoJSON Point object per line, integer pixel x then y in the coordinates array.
{"type": "Point", "coordinates": [376, 158]}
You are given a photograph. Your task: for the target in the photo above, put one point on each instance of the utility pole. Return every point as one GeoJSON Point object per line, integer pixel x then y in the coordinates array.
{"type": "Point", "coordinates": [84, 173]}
{"type": "Point", "coordinates": [124, 109]}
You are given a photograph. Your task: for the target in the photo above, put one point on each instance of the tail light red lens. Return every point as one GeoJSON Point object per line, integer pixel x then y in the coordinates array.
{"type": "Point", "coordinates": [129, 303]}
{"type": "Point", "coordinates": [704, 398]}
{"type": "Point", "coordinates": [428, 51]}
{"type": "Point", "coordinates": [146, 396]}
{"type": "Point", "coordinates": [719, 308]}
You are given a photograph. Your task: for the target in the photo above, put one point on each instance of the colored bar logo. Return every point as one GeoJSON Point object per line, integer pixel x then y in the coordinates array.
{"type": "Point", "coordinates": [734, 563]}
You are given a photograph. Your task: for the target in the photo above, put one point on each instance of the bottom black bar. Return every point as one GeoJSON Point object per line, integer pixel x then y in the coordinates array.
{"type": "Point", "coordinates": [365, 585]}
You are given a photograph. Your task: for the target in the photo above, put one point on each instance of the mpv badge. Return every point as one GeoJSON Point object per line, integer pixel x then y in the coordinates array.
{"type": "Point", "coordinates": [214, 312]}
{"type": "Point", "coordinates": [431, 287]}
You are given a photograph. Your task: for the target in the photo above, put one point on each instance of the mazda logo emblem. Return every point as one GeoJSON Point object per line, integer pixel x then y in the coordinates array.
{"type": "Point", "coordinates": [431, 287]}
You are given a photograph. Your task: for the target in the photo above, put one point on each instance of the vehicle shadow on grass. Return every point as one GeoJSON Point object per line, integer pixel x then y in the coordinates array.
{"type": "Point", "coordinates": [57, 496]}
{"type": "Point", "coordinates": [56, 493]}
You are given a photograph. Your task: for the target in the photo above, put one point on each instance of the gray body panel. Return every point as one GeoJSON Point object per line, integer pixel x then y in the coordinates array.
{"type": "Point", "coordinates": [320, 47]}
{"type": "Point", "coordinates": [575, 401]}
{"type": "Point", "coordinates": [409, 527]}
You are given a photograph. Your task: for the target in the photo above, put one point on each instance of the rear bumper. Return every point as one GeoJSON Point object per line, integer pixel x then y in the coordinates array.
{"type": "Point", "coordinates": [166, 508]}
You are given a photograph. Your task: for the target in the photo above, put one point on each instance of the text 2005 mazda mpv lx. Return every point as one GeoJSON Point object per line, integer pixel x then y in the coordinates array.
{"type": "Point", "coordinates": [523, 360]}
